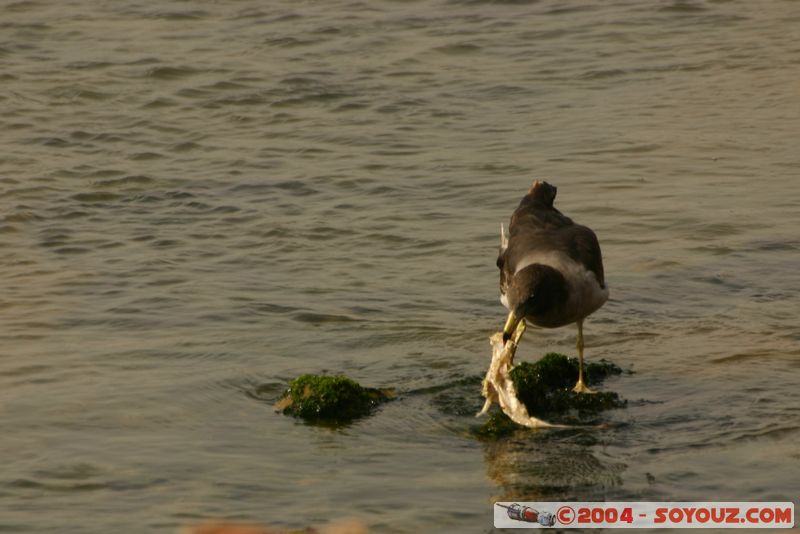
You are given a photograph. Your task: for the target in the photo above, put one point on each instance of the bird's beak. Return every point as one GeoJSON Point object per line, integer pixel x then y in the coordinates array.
{"type": "Point", "coordinates": [510, 327]}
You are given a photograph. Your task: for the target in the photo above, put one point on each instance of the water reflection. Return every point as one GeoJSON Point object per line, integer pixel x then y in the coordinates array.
{"type": "Point", "coordinates": [547, 465]}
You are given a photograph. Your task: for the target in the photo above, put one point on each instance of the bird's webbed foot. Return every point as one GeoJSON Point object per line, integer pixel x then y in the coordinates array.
{"type": "Point", "coordinates": [581, 387]}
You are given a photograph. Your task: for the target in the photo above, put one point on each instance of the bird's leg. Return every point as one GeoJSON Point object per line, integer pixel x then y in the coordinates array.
{"type": "Point", "coordinates": [581, 387]}
{"type": "Point", "coordinates": [515, 339]}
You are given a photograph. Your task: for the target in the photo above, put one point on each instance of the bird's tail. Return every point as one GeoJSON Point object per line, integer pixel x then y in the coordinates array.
{"type": "Point", "coordinates": [503, 238]}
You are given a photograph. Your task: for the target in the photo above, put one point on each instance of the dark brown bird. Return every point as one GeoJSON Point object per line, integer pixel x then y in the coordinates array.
{"type": "Point", "coordinates": [551, 270]}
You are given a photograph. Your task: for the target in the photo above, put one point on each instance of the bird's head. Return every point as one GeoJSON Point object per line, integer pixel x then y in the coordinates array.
{"type": "Point", "coordinates": [533, 291]}
{"type": "Point", "coordinates": [542, 192]}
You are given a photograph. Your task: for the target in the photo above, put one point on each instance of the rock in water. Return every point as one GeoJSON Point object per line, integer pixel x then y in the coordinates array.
{"type": "Point", "coordinates": [329, 398]}
{"type": "Point", "coordinates": [543, 388]}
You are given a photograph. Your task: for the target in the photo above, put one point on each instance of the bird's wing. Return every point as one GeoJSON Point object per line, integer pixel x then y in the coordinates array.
{"type": "Point", "coordinates": [533, 228]}
{"type": "Point", "coordinates": [545, 230]}
{"type": "Point", "coordinates": [583, 247]}
{"type": "Point", "coordinates": [528, 217]}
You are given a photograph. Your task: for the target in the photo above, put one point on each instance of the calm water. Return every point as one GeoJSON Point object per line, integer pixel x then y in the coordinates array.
{"type": "Point", "coordinates": [201, 200]}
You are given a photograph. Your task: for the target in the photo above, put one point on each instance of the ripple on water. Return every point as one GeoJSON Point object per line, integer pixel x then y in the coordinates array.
{"type": "Point", "coordinates": [159, 103]}
{"type": "Point", "coordinates": [682, 6]}
{"type": "Point", "coordinates": [170, 15]}
{"type": "Point", "coordinates": [270, 308]}
{"type": "Point", "coordinates": [291, 42]}
{"type": "Point", "coordinates": [324, 318]}
{"type": "Point", "coordinates": [145, 156]}
{"type": "Point", "coordinates": [131, 181]}
{"type": "Point", "coordinates": [96, 197]}
{"type": "Point", "coordinates": [80, 477]}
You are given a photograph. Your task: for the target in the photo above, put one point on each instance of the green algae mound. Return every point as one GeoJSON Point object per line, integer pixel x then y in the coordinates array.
{"type": "Point", "coordinates": [545, 387]}
{"type": "Point", "coordinates": [497, 425]}
{"type": "Point", "coordinates": [329, 398]}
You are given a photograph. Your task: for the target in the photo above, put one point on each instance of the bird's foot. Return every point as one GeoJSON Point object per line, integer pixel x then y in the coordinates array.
{"type": "Point", "coordinates": [580, 387]}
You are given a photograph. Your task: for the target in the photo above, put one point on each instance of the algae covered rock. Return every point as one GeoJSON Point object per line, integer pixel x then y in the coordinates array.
{"type": "Point", "coordinates": [497, 425]}
{"type": "Point", "coordinates": [329, 398]}
{"type": "Point", "coordinates": [545, 387]}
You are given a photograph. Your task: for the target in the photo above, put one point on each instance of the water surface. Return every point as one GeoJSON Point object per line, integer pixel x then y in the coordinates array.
{"type": "Point", "coordinates": [202, 200]}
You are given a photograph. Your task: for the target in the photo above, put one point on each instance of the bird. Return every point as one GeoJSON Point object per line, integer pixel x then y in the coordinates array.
{"type": "Point", "coordinates": [551, 271]}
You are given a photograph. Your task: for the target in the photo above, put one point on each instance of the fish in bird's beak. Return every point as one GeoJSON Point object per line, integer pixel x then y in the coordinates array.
{"type": "Point", "coordinates": [510, 326]}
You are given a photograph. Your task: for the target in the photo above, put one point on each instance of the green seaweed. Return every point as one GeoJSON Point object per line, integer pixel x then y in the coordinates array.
{"type": "Point", "coordinates": [329, 398]}
{"type": "Point", "coordinates": [545, 387]}
{"type": "Point", "coordinates": [497, 425]}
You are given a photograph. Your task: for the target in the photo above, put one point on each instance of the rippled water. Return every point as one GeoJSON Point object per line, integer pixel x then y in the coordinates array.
{"type": "Point", "coordinates": [202, 200]}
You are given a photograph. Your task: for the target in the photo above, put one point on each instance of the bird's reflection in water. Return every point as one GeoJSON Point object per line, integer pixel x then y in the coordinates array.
{"type": "Point", "coordinates": [551, 465]}
{"type": "Point", "coordinates": [543, 464]}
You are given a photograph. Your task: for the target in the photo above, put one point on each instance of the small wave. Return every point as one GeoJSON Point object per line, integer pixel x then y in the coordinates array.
{"type": "Point", "coordinates": [160, 102]}
{"type": "Point", "coordinates": [457, 49]}
{"type": "Point", "coordinates": [269, 308]}
{"type": "Point", "coordinates": [493, 2]}
{"type": "Point", "coordinates": [71, 250]}
{"type": "Point", "coordinates": [145, 156]}
{"type": "Point", "coordinates": [70, 487]}
{"type": "Point", "coordinates": [96, 196]}
{"type": "Point", "coordinates": [192, 14]}
{"type": "Point", "coordinates": [133, 180]}
{"type": "Point", "coordinates": [170, 73]}
{"type": "Point", "coordinates": [743, 356]}
{"type": "Point", "coordinates": [89, 65]}
{"type": "Point", "coordinates": [296, 187]}
{"type": "Point", "coordinates": [682, 6]}
{"type": "Point", "coordinates": [777, 245]}
{"type": "Point", "coordinates": [290, 42]}
{"type": "Point", "coordinates": [315, 97]}
{"type": "Point", "coordinates": [323, 318]}
{"type": "Point", "coordinates": [603, 74]}
{"type": "Point", "coordinates": [568, 10]}
{"type": "Point", "coordinates": [22, 6]}
{"type": "Point", "coordinates": [166, 243]}
{"type": "Point", "coordinates": [186, 146]}
{"type": "Point", "coordinates": [25, 370]}
{"type": "Point", "coordinates": [265, 391]}
{"type": "Point", "coordinates": [72, 93]}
